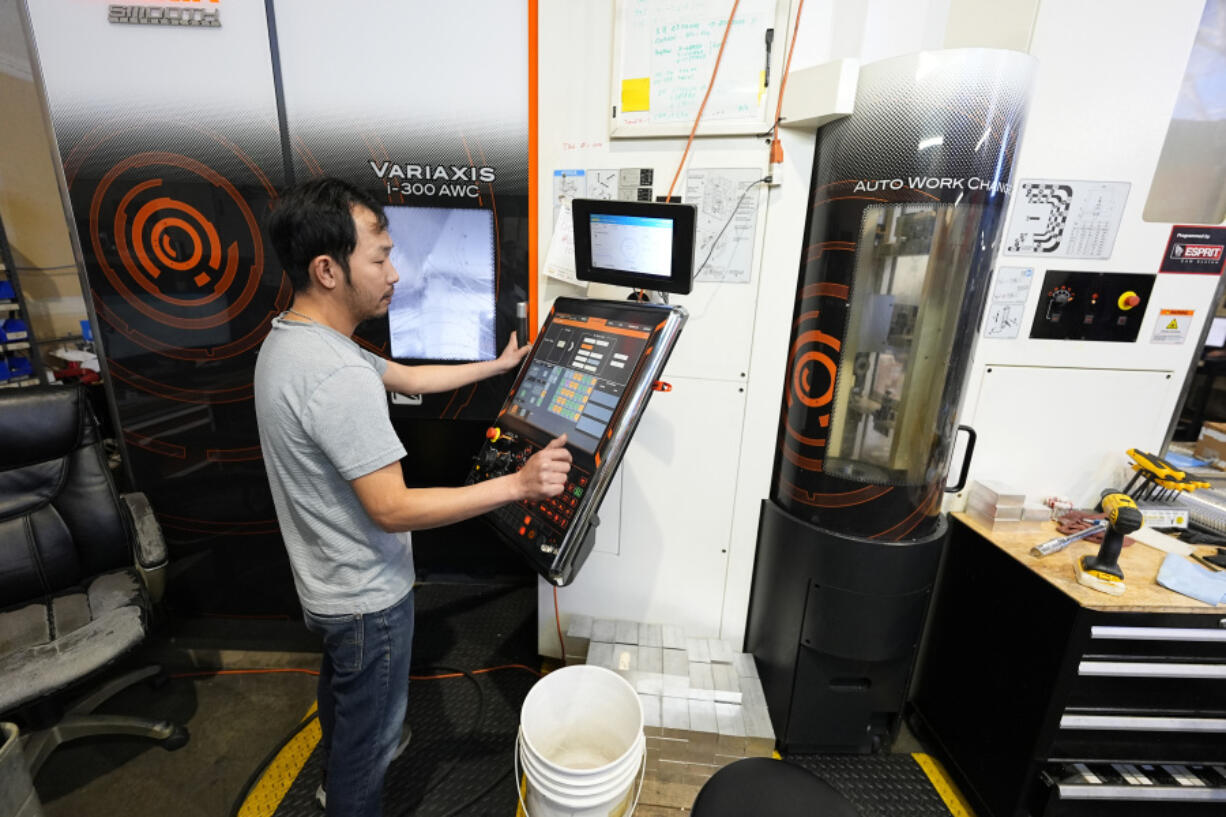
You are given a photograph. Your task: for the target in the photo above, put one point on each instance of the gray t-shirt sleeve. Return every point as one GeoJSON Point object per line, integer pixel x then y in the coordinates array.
{"type": "Point", "coordinates": [347, 417]}
{"type": "Point", "coordinates": [379, 363]}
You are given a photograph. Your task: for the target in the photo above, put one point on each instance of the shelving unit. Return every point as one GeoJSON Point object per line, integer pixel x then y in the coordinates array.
{"type": "Point", "coordinates": [20, 364]}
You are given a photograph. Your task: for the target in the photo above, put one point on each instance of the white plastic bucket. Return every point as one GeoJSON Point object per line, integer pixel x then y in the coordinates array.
{"type": "Point", "coordinates": [581, 744]}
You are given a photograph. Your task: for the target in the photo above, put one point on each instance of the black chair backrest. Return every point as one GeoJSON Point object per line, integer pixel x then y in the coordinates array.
{"type": "Point", "coordinates": [60, 515]}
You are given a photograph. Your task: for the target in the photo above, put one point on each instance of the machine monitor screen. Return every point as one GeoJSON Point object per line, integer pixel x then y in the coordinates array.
{"type": "Point", "coordinates": [632, 243]}
{"type": "Point", "coordinates": [443, 306]}
{"type": "Point", "coordinates": [578, 375]}
{"type": "Point", "coordinates": [642, 245]}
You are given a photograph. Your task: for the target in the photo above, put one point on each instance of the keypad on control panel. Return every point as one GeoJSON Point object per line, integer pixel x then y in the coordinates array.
{"type": "Point", "coordinates": [559, 510]}
{"type": "Point", "coordinates": [545, 522]}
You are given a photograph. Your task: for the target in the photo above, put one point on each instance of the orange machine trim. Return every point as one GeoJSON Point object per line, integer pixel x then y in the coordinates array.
{"type": "Point", "coordinates": [533, 52]}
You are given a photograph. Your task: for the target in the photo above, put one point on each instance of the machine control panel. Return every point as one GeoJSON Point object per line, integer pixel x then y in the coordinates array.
{"type": "Point", "coordinates": [539, 525]}
{"type": "Point", "coordinates": [1108, 306]}
{"type": "Point", "coordinates": [589, 376]}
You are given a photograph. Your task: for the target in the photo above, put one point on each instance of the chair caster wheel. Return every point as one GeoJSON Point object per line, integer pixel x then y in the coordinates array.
{"type": "Point", "coordinates": [177, 739]}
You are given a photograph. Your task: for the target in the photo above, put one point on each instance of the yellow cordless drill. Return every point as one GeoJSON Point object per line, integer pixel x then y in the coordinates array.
{"type": "Point", "coordinates": [1102, 571]}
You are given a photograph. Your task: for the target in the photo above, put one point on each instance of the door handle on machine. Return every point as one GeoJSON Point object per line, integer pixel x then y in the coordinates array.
{"type": "Point", "coordinates": [966, 460]}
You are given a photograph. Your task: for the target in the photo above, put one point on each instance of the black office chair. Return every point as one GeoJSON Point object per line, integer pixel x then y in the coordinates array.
{"type": "Point", "coordinates": [77, 564]}
{"type": "Point", "coordinates": [764, 787]}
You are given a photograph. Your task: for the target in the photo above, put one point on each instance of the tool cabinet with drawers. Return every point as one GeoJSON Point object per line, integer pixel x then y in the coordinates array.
{"type": "Point", "coordinates": [1044, 697]}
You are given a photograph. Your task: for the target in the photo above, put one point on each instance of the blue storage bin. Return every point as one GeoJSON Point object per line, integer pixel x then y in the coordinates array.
{"type": "Point", "coordinates": [4, 370]}
{"type": "Point", "coordinates": [20, 367]}
{"type": "Point", "coordinates": [15, 329]}
{"type": "Point", "coordinates": [7, 293]}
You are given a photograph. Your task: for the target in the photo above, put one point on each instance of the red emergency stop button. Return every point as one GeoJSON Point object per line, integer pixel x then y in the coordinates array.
{"type": "Point", "coordinates": [1129, 300]}
{"type": "Point", "coordinates": [493, 433]}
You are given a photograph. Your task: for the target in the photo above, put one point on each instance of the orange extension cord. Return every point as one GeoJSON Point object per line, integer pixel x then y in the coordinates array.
{"type": "Point", "coordinates": [270, 671]}
{"type": "Point", "coordinates": [776, 146]}
{"type": "Point", "coordinates": [710, 85]}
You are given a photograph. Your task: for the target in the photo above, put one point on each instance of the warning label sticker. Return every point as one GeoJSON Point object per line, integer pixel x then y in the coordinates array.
{"type": "Point", "coordinates": [1173, 326]}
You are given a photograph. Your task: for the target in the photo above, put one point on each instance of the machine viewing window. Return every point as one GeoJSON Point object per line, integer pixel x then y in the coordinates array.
{"type": "Point", "coordinates": [443, 305]}
{"type": "Point", "coordinates": [910, 275]}
{"type": "Point", "coordinates": [635, 244]}
{"type": "Point", "coordinates": [578, 375]}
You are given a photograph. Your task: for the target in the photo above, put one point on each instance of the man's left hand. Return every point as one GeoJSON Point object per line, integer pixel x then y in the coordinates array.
{"type": "Point", "coordinates": [512, 355]}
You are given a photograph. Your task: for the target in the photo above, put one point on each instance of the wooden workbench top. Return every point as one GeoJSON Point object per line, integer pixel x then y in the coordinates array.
{"type": "Point", "coordinates": [1139, 562]}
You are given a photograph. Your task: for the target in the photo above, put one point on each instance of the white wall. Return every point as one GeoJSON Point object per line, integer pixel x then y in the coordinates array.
{"type": "Point", "coordinates": [1055, 417]}
{"type": "Point", "coordinates": [679, 529]}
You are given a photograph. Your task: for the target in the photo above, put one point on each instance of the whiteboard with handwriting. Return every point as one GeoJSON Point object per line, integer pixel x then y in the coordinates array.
{"type": "Point", "coordinates": [663, 55]}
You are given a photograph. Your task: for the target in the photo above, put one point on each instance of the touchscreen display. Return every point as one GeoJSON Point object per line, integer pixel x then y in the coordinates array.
{"type": "Point", "coordinates": [632, 244]}
{"type": "Point", "coordinates": [577, 376]}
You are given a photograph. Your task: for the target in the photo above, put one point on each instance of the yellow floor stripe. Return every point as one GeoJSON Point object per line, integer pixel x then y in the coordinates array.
{"type": "Point", "coordinates": [268, 792]}
{"type": "Point", "coordinates": [953, 799]}
{"type": "Point", "coordinates": [523, 792]}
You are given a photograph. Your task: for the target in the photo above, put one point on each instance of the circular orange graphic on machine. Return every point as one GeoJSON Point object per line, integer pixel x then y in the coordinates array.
{"type": "Point", "coordinates": [155, 237]}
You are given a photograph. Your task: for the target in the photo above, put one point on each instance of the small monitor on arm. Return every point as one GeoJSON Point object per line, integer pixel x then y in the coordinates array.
{"type": "Point", "coordinates": [636, 244]}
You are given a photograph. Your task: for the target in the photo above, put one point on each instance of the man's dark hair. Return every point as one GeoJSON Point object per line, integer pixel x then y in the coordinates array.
{"type": "Point", "coordinates": [316, 218]}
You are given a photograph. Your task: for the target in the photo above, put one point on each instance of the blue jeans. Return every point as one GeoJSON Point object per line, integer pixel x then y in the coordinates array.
{"type": "Point", "coordinates": [363, 695]}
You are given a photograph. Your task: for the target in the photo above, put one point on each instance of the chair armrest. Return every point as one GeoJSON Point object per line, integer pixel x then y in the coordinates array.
{"type": "Point", "coordinates": [150, 547]}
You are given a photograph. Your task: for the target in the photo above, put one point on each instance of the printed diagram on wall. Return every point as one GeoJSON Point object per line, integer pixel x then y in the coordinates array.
{"type": "Point", "coordinates": [568, 185]}
{"type": "Point", "coordinates": [1009, 293]}
{"type": "Point", "coordinates": [602, 184]}
{"type": "Point", "coordinates": [1070, 219]}
{"type": "Point", "coordinates": [725, 202]}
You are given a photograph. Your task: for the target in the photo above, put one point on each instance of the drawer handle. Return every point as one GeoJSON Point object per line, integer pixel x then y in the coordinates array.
{"type": "Point", "coordinates": [1143, 723]}
{"type": "Point", "coordinates": [1157, 633]}
{"type": "Point", "coordinates": [1081, 791]}
{"type": "Point", "coordinates": [1143, 669]}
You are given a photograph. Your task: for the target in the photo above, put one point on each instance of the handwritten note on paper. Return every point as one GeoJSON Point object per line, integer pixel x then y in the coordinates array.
{"type": "Point", "coordinates": [675, 44]}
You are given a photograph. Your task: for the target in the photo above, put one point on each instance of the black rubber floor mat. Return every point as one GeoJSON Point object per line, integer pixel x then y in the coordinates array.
{"type": "Point", "coordinates": [878, 785]}
{"type": "Point", "coordinates": [460, 758]}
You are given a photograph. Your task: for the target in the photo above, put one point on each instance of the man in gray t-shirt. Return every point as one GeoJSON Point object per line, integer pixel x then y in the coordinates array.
{"type": "Point", "coordinates": [333, 462]}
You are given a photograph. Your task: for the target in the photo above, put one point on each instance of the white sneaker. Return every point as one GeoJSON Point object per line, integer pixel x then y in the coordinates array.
{"type": "Point", "coordinates": [406, 734]}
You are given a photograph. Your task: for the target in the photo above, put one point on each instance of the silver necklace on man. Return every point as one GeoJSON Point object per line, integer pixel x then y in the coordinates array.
{"type": "Point", "coordinates": [304, 317]}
